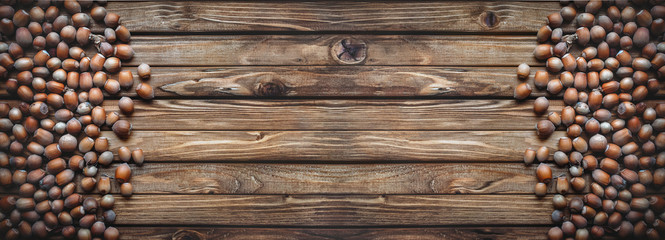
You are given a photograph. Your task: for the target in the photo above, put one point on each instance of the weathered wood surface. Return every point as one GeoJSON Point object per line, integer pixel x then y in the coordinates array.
{"type": "Point", "coordinates": [300, 50]}
{"type": "Point", "coordinates": [333, 146]}
{"type": "Point", "coordinates": [221, 114]}
{"type": "Point", "coordinates": [343, 82]}
{"type": "Point", "coordinates": [334, 210]}
{"type": "Point", "coordinates": [333, 82]}
{"type": "Point", "coordinates": [327, 81]}
{"type": "Point", "coordinates": [196, 233]}
{"type": "Point", "coordinates": [216, 178]}
{"type": "Point", "coordinates": [325, 165]}
{"type": "Point", "coordinates": [233, 16]}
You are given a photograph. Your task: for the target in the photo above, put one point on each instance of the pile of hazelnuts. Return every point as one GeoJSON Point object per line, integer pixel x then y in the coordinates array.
{"type": "Point", "coordinates": [51, 138]}
{"type": "Point", "coordinates": [605, 70]}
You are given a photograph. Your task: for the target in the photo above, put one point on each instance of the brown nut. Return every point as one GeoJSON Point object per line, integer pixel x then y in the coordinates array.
{"type": "Point", "coordinates": [145, 91]}
{"type": "Point", "coordinates": [126, 105]}
{"type": "Point", "coordinates": [522, 91]}
{"type": "Point", "coordinates": [123, 173]}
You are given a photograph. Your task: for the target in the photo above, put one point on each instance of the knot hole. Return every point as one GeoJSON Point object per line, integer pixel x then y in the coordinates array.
{"type": "Point", "coordinates": [188, 235]}
{"type": "Point", "coordinates": [489, 19]}
{"type": "Point", "coordinates": [271, 88]}
{"type": "Point", "coordinates": [349, 51]}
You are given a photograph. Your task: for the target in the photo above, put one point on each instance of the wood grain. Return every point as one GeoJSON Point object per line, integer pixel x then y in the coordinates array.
{"type": "Point", "coordinates": [267, 115]}
{"type": "Point", "coordinates": [334, 210]}
{"type": "Point", "coordinates": [215, 178]}
{"type": "Point", "coordinates": [234, 16]}
{"type": "Point", "coordinates": [222, 114]}
{"type": "Point", "coordinates": [337, 146]}
{"type": "Point", "coordinates": [333, 82]}
{"type": "Point", "coordinates": [199, 233]}
{"type": "Point", "coordinates": [329, 81]}
{"type": "Point", "coordinates": [299, 50]}
{"type": "Point", "coordinates": [294, 163]}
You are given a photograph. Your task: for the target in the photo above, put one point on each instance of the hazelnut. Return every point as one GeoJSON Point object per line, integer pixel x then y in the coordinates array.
{"type": "Point", "coordinates": [126, 189]}
{"type": "Point", "coordinates": [126, 105]}
{"type": "Point", "coordinates": [122, 128]}
{"type": "Point", "coordinates": [540, 105]}
{"type": "Point", "coordinates": [145, 91]}
{"type": "Point", "coordinates": [545, 128]}
{"type": "Point", "coordinates": [522, 91]}
{"type": "Point", "coordinates": [544, 173]}
{"type": "Point", "coordinates": [123, 173]}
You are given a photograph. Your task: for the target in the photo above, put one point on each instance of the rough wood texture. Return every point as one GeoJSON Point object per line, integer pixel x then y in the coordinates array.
{"type": "Point", "coordinates": [334, 210]}
{"type": "Point", "coordinates": [334, 82]}
{"type": "Point", "coordinates": [303, 115]}
{"type": "Point", "coordinates": [334, 114]}
{"type": "Point", "coordinates": [393, 50]}
{"type": "Point", "coordinates": [329, 81]}
{"type": "Point", "coordinates": [337, 81]}
{"type": "Point", "coordinates": [303, 146]}
{"type": "Point", "coordinates": [204, 16]}
{"type": "Point", "coordinates": [187, 233]}
{"type": "Point", "coordinates": [331, 161]}
{"type": "Point", "coordinates": [215, 178]}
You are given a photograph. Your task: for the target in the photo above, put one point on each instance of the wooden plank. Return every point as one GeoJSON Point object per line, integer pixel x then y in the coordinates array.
{"type": "Point", "coordinates": [234, 16]}
{"type": "Point", "coordinates": [334, 210]}
{"type": "Point", "coordinates": [333, 81]}
{"type": "Point", "coordinates": [421, 50]}
{"type": "Point", "coordinates": [215, 178]}
{"type": "Point", "coordinates": [221, 114]}
{"type": "Point", "coordinates": [267, 115]}
{"type": "Point", "coordinates": [339, 81]}
{"type": "Point", "coordinates": [306, 115]}
{"type": "Point", "coordinates": [430, 146]}
{"type": "Point", "coordinates": [187, 233]}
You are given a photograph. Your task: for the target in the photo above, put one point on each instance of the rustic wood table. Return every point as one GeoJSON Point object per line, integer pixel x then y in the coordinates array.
{"type": "Point", "coordinates": [259, 131]}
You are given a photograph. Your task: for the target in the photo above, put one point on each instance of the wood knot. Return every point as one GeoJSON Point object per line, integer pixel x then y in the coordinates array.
{"type": "Point", "coordinates": [349, 51]}
{"type": "Point", "coordinates": [271, 88]}
{"type": "Point", "coordinates": [489, 19]}
{"type": "Point", "coordinates": [188, 235]}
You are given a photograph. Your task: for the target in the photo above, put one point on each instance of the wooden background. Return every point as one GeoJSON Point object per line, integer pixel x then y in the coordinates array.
{"type": "Point", "coordinates": [421, 141]}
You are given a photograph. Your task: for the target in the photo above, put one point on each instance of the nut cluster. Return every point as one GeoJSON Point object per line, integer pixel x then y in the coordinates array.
{"type": "Point", "coordinates": [604, 71]}
{"type": "Point", "coordinates": [51, 140]}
